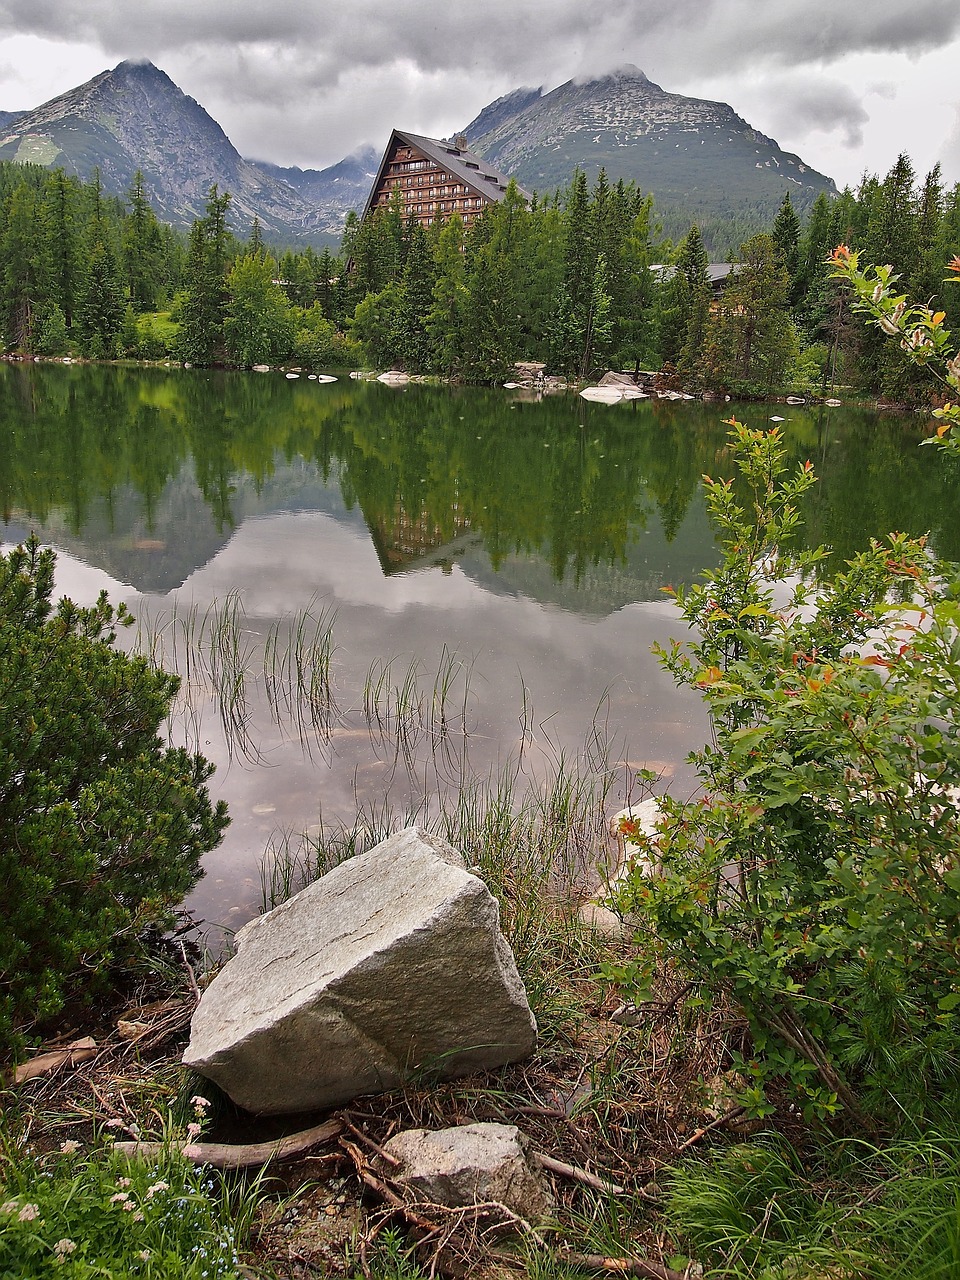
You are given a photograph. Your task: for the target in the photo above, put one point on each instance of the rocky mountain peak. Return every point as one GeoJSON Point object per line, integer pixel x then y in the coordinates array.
{"type": "Point", "coordinates": [695, 156]}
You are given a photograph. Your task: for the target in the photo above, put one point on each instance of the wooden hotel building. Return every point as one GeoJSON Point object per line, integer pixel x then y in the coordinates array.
{"type": "Point", "coordinates": [435, 179]}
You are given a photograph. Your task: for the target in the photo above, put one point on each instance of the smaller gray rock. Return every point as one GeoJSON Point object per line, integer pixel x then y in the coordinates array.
{"type": "Point", "coordinates": [470, 1164]}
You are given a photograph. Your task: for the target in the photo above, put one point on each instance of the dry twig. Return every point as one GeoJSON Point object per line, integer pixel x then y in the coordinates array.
{"type": "Point", "coordinates": [222, 1155]}
{"type": "Point", "coordinates": [571, 1171]}
{"type": "Point", "coordinates": [714, 1124]}
{"type": "Point", "coordinates": [79, 1051]}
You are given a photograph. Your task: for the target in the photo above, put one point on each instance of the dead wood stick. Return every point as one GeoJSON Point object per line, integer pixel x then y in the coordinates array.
{"type": "Point", "coordinates": [384, 1191]}
{"type": "Point", "coordinates": [371, 1145]}
{"type": "Point", "coordinates": [620, 1266]}
{"type": "Point", "coordinates": [222, 1155]}
{"type": "Point", "coordinates": [714, 1124]}
{"type": "Point", "coordinates": [75, 1053]}
{"type": "Point", "coordinates": [190, 974]}
{"type": "Point", "coordinates": [571, 1171]}
{"type": "Point", "coordinates": [556, 1113]}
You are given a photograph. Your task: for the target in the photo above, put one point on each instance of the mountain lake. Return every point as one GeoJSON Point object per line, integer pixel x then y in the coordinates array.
{"type": "Point", "coordinates": [375, 594]}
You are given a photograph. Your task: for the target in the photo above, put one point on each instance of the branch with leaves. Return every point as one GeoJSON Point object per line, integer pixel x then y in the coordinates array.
{"type": "Point", "coordinates": [920, 330]}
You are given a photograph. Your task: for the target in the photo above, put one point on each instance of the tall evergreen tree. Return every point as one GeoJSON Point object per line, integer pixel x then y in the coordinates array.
{"type": "Point", "coordinates": [59, 246]}
{"type": "Point", "coordinates": [750, 338]}
{"type": "Point", "coordinates": [201, 339]}
{"type": "Point", "coordinates": [100, 307]}
{"type": "Point", "coordinates": [21, 268]}
{"type": "Point", "coordinates": [786, 237]}
{"type": "Point", "coordinates": [414, 346]}
{"type": "Point", "coordinates": [142, 248]}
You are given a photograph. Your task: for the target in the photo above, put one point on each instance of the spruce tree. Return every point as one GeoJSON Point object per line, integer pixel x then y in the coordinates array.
{"type": "Point", "coordinates": [413, 343]}
{"type": "Point", "coordinates": [100, 307]}
{"type": "Point", "coordinates": [21, 268]}
{"type": "Point", "coordinates": [786, 237]}
{"type": "Point", "coordinates": [141, 249]}
{"type": "Point", "coordinates": [200, 338]}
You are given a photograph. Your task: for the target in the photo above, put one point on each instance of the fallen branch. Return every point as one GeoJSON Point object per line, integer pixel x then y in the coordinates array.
{"type": "Point", "coordinates": [597, 1262]}
{"type": "Point", "coordinates": [222, 1155]}
{"type": "Point", "coordinates": [77, 1052]}
{"type": "Point", "coordinates": [369, 1143]}
{"type": "Point", "coordinates": [620, 1266]}
{"type": "Point", "coordinates": [714, 1124]}
{"type": "Point", "coordinates": [571, 1171]}
{"type": "Point", "coordinates": [190, 974]}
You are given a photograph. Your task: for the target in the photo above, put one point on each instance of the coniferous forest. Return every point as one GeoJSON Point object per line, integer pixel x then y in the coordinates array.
{"type": "Point", "coordinates": [582, 280]}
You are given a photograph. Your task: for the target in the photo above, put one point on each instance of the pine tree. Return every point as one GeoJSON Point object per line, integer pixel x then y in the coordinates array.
{"type": "Point", "coordinates": [21, 269]}
{"type": "Point", "coordinates": [598, 337]}
{"type": "Point", "coordinates": [413, 343]}
{"type": "Point", "coordinates": [200, 338]}
{"type": "Point", "coordinates": [141, 249]}
{"type": "Point", "coordinates": [59, 247]}
{"type": "Point", "coordinates": [750, 339]}
{"type": "Point", "coordinates": [692, 264]}
{"type": "Point", "coordinates": [786, 237]}
{"type": "Point", "coordinates": [100, 306]}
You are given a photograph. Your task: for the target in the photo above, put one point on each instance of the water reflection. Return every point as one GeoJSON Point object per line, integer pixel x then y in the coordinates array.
{"type": "Point", "coordinates": [512, 552]}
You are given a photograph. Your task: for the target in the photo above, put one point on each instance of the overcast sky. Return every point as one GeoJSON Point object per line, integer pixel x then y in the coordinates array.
{"type": "Point", "coordinates": [847, 84]}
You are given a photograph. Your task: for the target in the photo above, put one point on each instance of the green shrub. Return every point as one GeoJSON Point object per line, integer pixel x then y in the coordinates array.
{"type": "Point", "coordinates": [102, 827]}
{"type": "Point", "coordinates": [815, 883]}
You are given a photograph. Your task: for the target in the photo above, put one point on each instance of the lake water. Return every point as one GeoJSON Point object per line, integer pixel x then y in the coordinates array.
{"type": "Point", "coordinates": [372, 592]}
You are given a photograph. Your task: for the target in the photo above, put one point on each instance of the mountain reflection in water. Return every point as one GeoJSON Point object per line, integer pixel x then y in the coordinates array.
{"type": "Point", "coordinates": [506, 557]}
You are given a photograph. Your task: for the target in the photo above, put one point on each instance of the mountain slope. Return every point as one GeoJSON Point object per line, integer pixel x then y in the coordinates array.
{"type": "Point", "coordinates": [134, 117]}
{"type": "Point", "coordinates": [692, 154]}
{"type": "Point", "coordinates": [333, 191]}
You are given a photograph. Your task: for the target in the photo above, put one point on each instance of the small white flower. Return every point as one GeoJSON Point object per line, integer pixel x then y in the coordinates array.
{"type": "Point", "coordinates": [69, 1147]}
{"type": "Point", "coordinates": [157, 1186]}
{"type": "Point", "coordinates": [120, 1197]}
{"type": "Point", "coordinates": [144, 1255]}
{"type": "Point", "coordinates": [199, 1102]}
{"type": "Point", "coordinates": [29, 1212]}
{"type": "Point", "coordinates": [64, 1246]}
{"type": "Point", "coordinates": [193, 1131]}
{"type": "Point", "coordinates": [10, 1206]}
{"type": "Point", "coordinates": [123, 1182]}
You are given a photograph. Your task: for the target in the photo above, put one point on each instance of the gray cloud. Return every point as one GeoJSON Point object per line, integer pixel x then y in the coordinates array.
{"type": "Point", "coordinates": [816, 103]}
{"type": "Point", "coordinates": [504, 37]}
{"type": "Point", "coordinates": [305, 82]}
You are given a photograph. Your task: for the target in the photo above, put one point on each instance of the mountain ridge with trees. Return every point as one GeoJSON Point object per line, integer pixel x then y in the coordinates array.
{"type": "Point", "coordinates": [133, 118]}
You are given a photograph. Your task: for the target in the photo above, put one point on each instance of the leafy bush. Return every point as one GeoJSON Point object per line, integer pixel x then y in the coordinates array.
{"type": "Point", "coordinates": [101, 826]}
{"type": "Point", "coordinates": [815, 882]}
{"type": "Point", "coordinates": [320, 345]}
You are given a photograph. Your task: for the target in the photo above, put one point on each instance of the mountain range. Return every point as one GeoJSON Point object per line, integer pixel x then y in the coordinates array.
{"type": "Point", "coordinates": [135, 118]}
{"type": "Point", "coordinates": [698, 158]}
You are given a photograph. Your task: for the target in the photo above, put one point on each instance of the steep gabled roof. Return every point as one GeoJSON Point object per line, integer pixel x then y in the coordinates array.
{"type": "Point", "coordinates": [472, 170]}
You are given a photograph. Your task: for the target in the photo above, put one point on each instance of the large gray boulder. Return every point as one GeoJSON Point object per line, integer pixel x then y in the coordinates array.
{"type": "Point", "coordinates": [388, 970]}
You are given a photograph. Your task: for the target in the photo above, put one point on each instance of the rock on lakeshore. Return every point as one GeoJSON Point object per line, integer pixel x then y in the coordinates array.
{"type": "Point", "coordinates": [388, 969]}
{"type": "Point", "coordinates": [470, 1164]}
